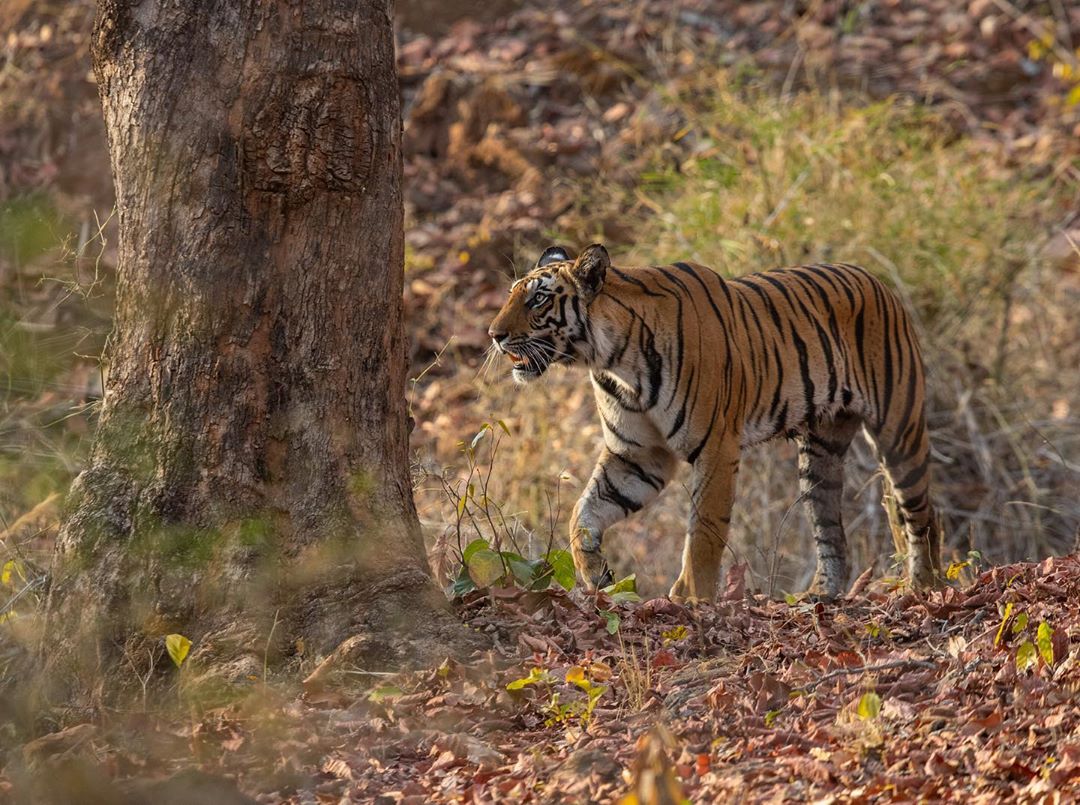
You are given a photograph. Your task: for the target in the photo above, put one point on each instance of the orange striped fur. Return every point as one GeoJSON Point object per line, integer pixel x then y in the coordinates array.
{"type": "Point", "coordinates": [687, 366]}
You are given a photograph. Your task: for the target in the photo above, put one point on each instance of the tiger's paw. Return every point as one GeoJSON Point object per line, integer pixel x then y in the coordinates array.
{"type": "Point", "coordinates": [816, 597]}
{"type": "Point", "coordinates": [821, 592]}
{"type": "Point", "coordinates": [925, 579]}
{"type": "Point", "coordinates": [681, 594]}
{"type": "Point", "coordinates": [605, 579]}
{"type": "Point", "coordinates": [593, 569]}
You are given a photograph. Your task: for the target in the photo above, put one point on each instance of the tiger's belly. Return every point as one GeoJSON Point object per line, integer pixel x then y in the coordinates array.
{"type": "Point", "coordinates": [772, 408]}
{"type": "Point", "coordinates": [756, 430]}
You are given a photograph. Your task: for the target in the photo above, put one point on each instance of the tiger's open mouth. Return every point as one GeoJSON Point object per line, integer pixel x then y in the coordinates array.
{"type": "Point", "coordinates": [525, 368]}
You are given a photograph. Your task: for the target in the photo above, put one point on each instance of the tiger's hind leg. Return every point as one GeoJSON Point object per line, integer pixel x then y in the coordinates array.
{"type": "Point", "coordinates": [821, 482]}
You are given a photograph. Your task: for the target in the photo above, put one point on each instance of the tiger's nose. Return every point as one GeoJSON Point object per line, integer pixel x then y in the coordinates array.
{"type": "Point", "coordinates": [497, 333]}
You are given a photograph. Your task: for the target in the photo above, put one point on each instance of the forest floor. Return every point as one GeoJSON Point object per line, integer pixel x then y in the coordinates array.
{"type": "Point", "coordinates": [966, 695]}
{"type": "Point", "coordinates": [938, 143]}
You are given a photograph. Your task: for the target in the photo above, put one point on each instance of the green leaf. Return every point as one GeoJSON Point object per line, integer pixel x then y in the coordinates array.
{"type": "Point", "coordinates": [5, 574]}
{"type": "Point", "coordinates": [770, 717]}
{"type": "Point", "coordinates": [1073, 98]}
{"type": "Point", "coordinates": [529, 573]}
{"type": "Point", "coordinates": [502, 425]}
{"type": "Point", "coordinates": [1004, 620]}
{"type": "Point", "coordinates": [462, 584]}
{"type": "Point", "coordinates": [1020, 623]}
{"type": "Point", "coordinates": [625, 597]}
{"type": "Point", "coordinates": [385, 692]}
{"type": "Point", "coordinates": [473, 547]}
{"type": "Point", "coordinates": [869, 706]}
{"type": "Point", "coordinates": [535, 675]}
{"type": "Point", "coordinates": [790, 599]}
{"type": "Point", "coordinates": [562, 566]}
{"type": "Point", "coordinates": [613, 620]}
{"type": "Point", "coordinates": [1026, 656]}
{"type": "Point", "coordinates": [1044, 640]}
{"type": "Point", "coordinates": [178, 647]}
{"type": "Point", "coordinates": [485, 567]}
{"type": "Point", "coordinates": [627, 585]}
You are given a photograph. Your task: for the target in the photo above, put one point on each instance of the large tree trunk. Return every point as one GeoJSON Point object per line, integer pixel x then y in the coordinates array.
{"type": "Point", "coordinates": [250, 475]}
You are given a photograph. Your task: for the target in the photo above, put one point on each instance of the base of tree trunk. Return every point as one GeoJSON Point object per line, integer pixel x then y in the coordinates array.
{"type": "Point", "coordinates": [251, 612]}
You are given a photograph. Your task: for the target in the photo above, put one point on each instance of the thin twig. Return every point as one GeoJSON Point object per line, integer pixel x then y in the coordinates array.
{"type": "Point", "coordinates": [870, 669]}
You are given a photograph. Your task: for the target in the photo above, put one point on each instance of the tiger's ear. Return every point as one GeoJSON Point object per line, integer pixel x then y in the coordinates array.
{"type": "Point", "coordinates": [552, 254]}
{"type": "Point", "coordinates": [590, 269]}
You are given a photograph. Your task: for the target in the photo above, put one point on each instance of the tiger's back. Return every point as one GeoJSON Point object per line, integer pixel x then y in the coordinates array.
{"type": "Point", "coordinates": [687, 365]}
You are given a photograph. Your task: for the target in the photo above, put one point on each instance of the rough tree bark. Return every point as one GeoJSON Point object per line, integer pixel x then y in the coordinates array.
{"type": "Point", "coordinates": [249, 482]}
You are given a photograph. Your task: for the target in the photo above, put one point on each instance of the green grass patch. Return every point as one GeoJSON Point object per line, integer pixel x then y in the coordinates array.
{"type": "Point", "coordinates": [767, 181]}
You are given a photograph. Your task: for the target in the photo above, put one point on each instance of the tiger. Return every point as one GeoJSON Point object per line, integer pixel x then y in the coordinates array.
{"type": "Point", "coordinates": [687, 366]}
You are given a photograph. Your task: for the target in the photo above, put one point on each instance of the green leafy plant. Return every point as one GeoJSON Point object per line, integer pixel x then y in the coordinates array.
{"type": "Point", "coordinates": [1032, 647]}
{"type": "Point", "coordinates": [675, 634]}
{"type": "Point", "coordinates": [384, 693]}
{"type": "Point", "coordinates": [1020, 622]}
{"type": "Point", "coordinates": [965, 571]}
{"type": "Point", "coordinates": [612, 620]}
{"type": "Point", "coordinates": [1026, 656]}
{"type": "Point", "coordinates": [577, 676]}
{"type": "Point", "coordinates": [486, 561]}
{"type": "Point", "coordinates": [536, 675]}
{"type": "Point", "coordinates": [875, 630]}
{"type": "Point", "coordinates": [1044, 641]}
{"type": "Point", "coordinates": [483, 566]}
{"type": "Point", "coordinates": [554, 707]}
{"type": "Point", "coordinates": [623, 591]}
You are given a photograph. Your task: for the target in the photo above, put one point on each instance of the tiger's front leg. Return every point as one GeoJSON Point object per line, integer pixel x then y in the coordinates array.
{"type": "Point", "coordinates": [621, 484]}
{"type": "Point", "coordinates": [712, 493]}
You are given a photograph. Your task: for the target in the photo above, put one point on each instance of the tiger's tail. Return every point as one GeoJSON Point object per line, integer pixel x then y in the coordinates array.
{"type": "Point", "coordinates": [903, 445]}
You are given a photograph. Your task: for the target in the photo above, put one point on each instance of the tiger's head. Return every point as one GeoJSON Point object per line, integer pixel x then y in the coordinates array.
{"type": "Point", "coordinates": [545, 319]}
